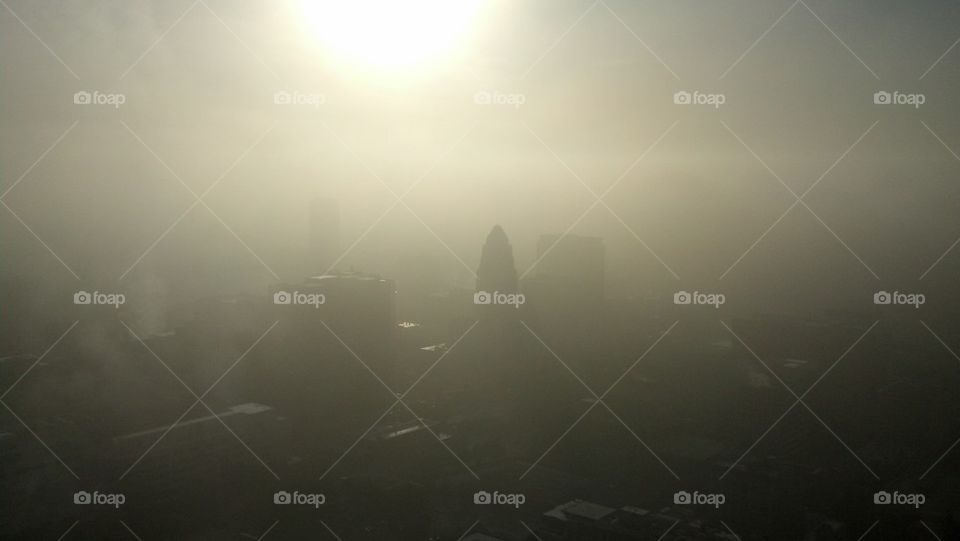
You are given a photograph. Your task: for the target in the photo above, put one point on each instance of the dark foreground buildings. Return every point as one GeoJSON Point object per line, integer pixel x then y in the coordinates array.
{"type": "Point", "coordinates": [319, 406]}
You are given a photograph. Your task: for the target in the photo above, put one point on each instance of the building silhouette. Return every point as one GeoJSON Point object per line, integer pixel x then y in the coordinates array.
{"type": "Point", "coordinates": [497, 271]}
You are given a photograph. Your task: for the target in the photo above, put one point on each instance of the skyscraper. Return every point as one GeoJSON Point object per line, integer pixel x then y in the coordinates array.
{"type": "Point", "coordinates": [497, 296]}
{"type": "Point", "coordinates": [496, 271]}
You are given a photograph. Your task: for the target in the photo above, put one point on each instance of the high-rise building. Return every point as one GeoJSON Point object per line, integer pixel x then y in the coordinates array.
{"type": "Point", "coordinates": [323, 322]}
{"type": "Point", "coordinates": [324, 234]}
{"type": "Point", "coordinates": [497, 271]}
{"type": "Point", "coordinates": [498, 294]}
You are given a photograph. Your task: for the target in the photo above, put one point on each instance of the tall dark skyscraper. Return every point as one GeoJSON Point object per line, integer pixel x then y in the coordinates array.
{"type": "Point", "coordinates": [496, 271]}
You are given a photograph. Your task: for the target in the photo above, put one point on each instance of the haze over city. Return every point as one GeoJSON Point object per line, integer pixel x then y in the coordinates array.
{"type": "Point", "coordinates": [586, 257]}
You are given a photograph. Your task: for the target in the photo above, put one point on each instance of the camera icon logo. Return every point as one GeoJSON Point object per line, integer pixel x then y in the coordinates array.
{"type": "Point", "coordinates": [82, 497]}
{"type": "Point", "coordinates": [82, 98]}
{"type": "Point", "coordinates": [482, 297]}
{"type": "Point", "coordinates": [282, 497]}
{"type": "Point", "coordinates": [882, 498]}
{"type": "Point", "coordinates": [882, 297]}
{"type": "Point", "coordinates": [482, 497]}
{"type": "Point", "coordinates": [282, 297]}
{"type": "Point", "coordinates": [682, 98]}
{"type": "Point", "coordinates": [483, 98]}
{"type": "Point", "coordinates": [82, 297]}
{"type": "Point", "coordinates": [682, 497]}
{"type": "Point", "coordinates": [682, 297]}
{"type": "Point", "coordinates": [882, 98]}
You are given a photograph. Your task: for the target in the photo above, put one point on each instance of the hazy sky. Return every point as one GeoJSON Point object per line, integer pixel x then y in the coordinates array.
{"type": "Point", "coordinates": [597, 84]}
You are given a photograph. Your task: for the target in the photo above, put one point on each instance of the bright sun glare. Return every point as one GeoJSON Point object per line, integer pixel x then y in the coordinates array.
{"type": "Point", "coordinates": [390, 34]}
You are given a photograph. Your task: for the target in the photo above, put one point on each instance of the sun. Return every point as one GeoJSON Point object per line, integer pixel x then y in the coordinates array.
{"type": "Point", "coordinates": [392, 35]}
